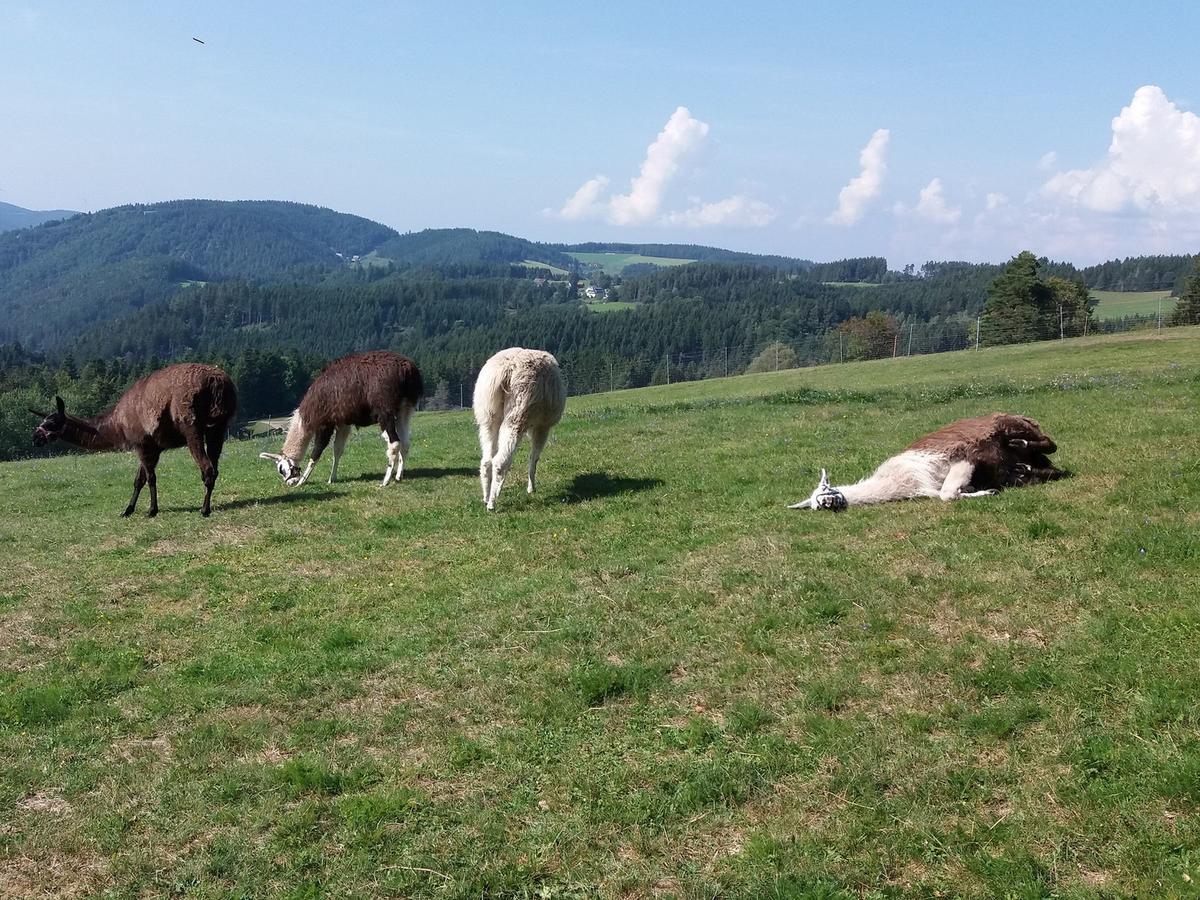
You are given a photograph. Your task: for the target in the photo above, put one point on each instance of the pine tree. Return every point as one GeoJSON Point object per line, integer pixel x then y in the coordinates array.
{"type": "Point", "coordinates": [1187, 309]}
{"type": "Point", "coordinates": [1020, 305]}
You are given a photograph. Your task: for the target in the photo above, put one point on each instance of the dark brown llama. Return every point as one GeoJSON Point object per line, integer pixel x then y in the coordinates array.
{"type": "Point", "coordinates": [968, 458]}
{"type": "Point", "coordinates": [188, 404]}
{"type": "Point", "coordinates": [376, 388]}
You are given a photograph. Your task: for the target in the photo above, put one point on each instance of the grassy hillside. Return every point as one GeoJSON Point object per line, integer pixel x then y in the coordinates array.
{"type": "Point", "coordinates": [650, 678]}
{"type": "Point", "coordinates": [1117, 304]}
{"type": "Point", "coordinates": [615, 263]}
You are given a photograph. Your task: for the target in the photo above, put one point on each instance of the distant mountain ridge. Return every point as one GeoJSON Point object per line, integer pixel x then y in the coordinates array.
{"type": "Point", "coordinates": [12, 217]}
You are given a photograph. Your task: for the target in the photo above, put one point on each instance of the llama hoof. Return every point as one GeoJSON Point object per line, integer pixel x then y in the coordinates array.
{"type": "Point", "coordinates": [127, 512]}
{"type": "Point", "coordinates": [151, 513]}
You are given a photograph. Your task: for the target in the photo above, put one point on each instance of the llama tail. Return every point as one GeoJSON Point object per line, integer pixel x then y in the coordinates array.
{"type": "Point", "coordinates": [223, 400]}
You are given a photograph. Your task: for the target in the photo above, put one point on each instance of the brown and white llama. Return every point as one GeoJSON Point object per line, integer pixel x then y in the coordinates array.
{"type": "Point", "coordinates": [188, 404]}
{"type": "Point", "coordinates": [376, 388]}
{"type": "Point", "coordinates": [517, 391]}
{"type": "Point", "coordinates": [968, 458]}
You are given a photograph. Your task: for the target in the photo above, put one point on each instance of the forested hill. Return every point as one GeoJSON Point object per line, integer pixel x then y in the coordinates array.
{"type": "Point", "coordinates": [436, 247]}
{"type": "Point", "coordinates": [692, 252]}
{"type": "Point", "coordinates": [61, 278]}
{"type": "Point", "coordinates": [18, 217]}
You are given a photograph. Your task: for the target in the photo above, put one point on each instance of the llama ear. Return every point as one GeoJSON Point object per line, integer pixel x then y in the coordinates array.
{"type": "Point", "coordinates": [40, 415]}
{"type": "Point", "coordinates": [274, 457]}
{"type": "Point", "coordinates": [62, 407]}
{"type": "Point", "coordinates": [803, 504]}
{"type": "Point", "coordinates": [824, 482]}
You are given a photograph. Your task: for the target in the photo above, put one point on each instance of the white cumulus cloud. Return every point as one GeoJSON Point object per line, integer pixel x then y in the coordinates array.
{"type": "Point", "coordinates": [1152, 164]}
{"type": "Point", "coordinates": [679, 136]}
{"type": "Point", "coordinates": [647, 193]}
{"type": "Point", "coordinates": [995, 200]}
{"type": "Point", "coordinates": [585, 201]}
{"type": "Point", "coordinates": [736, 210]}
{"type": "Point", "coordinates": [864, 187]}
{"type": "Point", "coordinates": [932, 205]}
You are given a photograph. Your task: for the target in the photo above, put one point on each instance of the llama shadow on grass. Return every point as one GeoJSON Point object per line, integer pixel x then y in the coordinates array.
{"type": "Point", "coordinates": [416, 473]}
{"type": "Point", "coordinates": [296, 496]}
{"type": "Point", "coordinates": [594, 485]}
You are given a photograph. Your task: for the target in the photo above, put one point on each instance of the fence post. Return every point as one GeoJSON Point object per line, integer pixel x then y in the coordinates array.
{"type": "Point", "coordinates": [1061, 334]}
{"type": "Point", "coordinates": [668, 368]}
{"type": "Point", "coordinates": [725, 354]}
{"type": "Point", "coordinates": [1160, 316]}
{"type": "Point", "coordinates": [461, 405]}
{"type": "Point", "coordinates": [911, 326]}
{"type": "Point", "coordinates": [895, 344]}
{"type": "Point", "coordinates": [611, 383]}
{"type": "Point", "coordinates": [978, 319]}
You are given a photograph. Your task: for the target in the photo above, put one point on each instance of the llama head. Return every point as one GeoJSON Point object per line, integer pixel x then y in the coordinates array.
{"type": "Point", "coordinates": [826, 496]}
{"type": "Point", "coordinates": [288, 468]}
{"type": "Point", "coordinates": [54, 424]}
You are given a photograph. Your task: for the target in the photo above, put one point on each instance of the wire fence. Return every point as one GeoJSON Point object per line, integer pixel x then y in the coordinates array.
{"type": "Point", "coordinates": [591, 373]}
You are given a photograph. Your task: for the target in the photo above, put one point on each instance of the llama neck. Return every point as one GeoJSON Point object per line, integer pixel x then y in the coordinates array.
{"type": "Point", "coordinates": [95, 433]}
{"type": "Point", "coordinates": [295, 445]}
{"type": "Point", "coordinates": [870, 490]}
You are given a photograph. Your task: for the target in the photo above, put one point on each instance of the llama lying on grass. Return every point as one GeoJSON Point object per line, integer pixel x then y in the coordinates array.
{"type": "Point", "coordinates": [187, 404]}
{"type": "Point", "coordinates": [376, 388]}
{"type": "Point", "coordinates": [517, 391]}
{"type": "Point", "coordinates": [968, 458]}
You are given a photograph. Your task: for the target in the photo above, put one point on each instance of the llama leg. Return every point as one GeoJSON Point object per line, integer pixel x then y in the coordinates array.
{"type": "Point", "coordinates": [958, 478]}
{"type": "Point", "coordinates": [487, 449]}
{"type": "Point", "coordinates": [214, 442]}
{"type": "Point", "coordinates": [151, 463]}
{"type": "Point", "coordinates": [339, 445]}
{"type": "Point", "coordinates": [510, 437]}
{"type": "Point", "coordinates": [139, 482]}
{"type": "Point", "coordinates": [208, 472]}
{"type": "Point", "coordinates": [404, 432]}
{"type": "Point", "coordinates": [395, 460]}
{"type": "Point", "coordinates": [320, 442]}
{"type": "Point", "coordinates": [537, 440]}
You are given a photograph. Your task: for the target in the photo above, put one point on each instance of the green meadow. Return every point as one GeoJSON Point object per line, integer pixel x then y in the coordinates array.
{"type": "Point", "coordinates": [650, 679]}
{"type": "Point", "coordinates": [1117, 304]}
{"type": "Point", "coordinates": [615, 263]}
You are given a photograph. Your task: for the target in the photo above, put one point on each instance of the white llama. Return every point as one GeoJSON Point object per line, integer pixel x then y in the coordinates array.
{"type": "Point", "coordinates": [517, 391]}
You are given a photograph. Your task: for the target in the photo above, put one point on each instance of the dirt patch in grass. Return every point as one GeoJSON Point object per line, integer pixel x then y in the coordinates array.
{"type": "Point", "coordinates": [50, 802]}
{"type": "Point", "coordinates": [52, 875]}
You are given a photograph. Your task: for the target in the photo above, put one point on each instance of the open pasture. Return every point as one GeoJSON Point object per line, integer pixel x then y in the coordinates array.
{"type": "Point", "coordinates": [1118, 304]}
{"type": "Point", "coordinates": [615, 263]}
{"type": "Point", "coordinates": [649, 679]}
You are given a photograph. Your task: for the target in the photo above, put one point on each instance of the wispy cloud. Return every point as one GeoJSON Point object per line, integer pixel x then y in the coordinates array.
{"type": "Point", "coordinates": [647, 194]}
{"type": "Point", "coordinates": [864, 187]}
{"type": "Point", "coordinates": [1152, 164]}
{"type": "Point", "coordinates": [1047, 161]}
{"type": "Point", "coordinates": [736, 210]}
{"type": "Point", "coordinates": [585, 202]}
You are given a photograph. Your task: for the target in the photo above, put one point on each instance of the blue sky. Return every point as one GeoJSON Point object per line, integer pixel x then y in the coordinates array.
{"type": "Point", "coordinates": [985, 131]}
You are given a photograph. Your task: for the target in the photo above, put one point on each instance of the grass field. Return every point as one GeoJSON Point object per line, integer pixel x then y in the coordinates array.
{"type": "Point", "coordinates": [615, 263]}
{"type": "Point", "coordinates": [554, 270]}
{"type": "Point", "coordinates": [608, 306]}
{"type": "Point", "coordinates": [649, 679]}
{"type": "Point", "coordinates": [1116, 304]}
